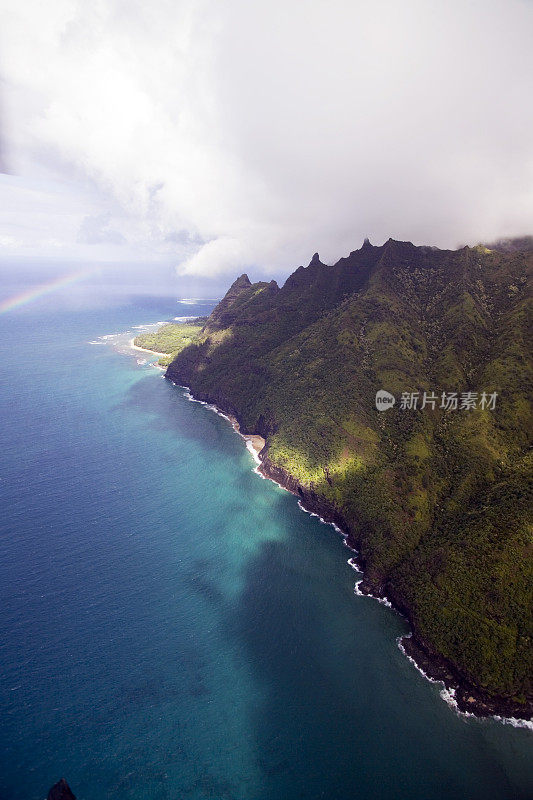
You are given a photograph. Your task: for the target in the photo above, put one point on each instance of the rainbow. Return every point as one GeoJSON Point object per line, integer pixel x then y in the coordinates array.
{"type": "Point", "coordinates": [43, 289]}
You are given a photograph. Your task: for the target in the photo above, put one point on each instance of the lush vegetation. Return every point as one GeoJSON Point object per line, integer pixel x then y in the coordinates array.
{"type": "Point", "coordinates": [171, 338]}
{"type": "Point", "coordinates": [438, 501]}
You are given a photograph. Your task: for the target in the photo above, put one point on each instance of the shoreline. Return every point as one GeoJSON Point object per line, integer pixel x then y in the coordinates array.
{"type": "Point", "coordinates": [464, 698]}
{"type": "Point", "coordinates": [145, 349]}
{"type": "Point", "coordinates": [254, 442]}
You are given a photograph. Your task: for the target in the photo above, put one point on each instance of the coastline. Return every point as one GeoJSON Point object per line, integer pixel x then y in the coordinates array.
{"type": "Point", "coordinates": [463, 697]}
{"type": "Point", "coordinates": [145, 349]}
{"type": "Point", "coordinates": [254, 442]}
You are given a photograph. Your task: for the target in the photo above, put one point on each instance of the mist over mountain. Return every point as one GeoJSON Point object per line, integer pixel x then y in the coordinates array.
{"type": "Point", "coordinates": [225, 137]}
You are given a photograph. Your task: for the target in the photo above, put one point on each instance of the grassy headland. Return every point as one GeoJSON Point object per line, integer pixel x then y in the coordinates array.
{"type": "Point", "coordinates": [171, 338]}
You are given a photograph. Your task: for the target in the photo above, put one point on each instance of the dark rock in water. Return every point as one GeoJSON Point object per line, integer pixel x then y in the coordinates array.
{"type": "Point", "coordinates": [61, 791]}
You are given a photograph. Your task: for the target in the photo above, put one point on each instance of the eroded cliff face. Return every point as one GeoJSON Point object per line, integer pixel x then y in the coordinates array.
{"type": "Point", "coordinates": [435, 500]}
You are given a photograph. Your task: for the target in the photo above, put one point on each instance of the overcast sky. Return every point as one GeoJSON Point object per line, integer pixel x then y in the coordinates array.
{"type": "Point", "coordinates": [217, 137]}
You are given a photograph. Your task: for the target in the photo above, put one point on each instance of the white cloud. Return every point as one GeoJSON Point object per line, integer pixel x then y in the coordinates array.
{"type": "Point", "coordinates": [270, 130]}
{"type": "Point", "coordinates": [97, 229]}
{"type": "Point", "coordinates": [218, 256]}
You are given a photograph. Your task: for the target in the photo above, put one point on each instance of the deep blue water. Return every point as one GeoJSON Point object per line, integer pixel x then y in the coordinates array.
{"type": "Point", "coordinates": [173, 626]}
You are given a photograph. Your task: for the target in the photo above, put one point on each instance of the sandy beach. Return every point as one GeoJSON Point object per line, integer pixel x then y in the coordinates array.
{"type": "Point", "coordinates": [257, 442]}
{"type": "Point", "coordinates": [144, 349]}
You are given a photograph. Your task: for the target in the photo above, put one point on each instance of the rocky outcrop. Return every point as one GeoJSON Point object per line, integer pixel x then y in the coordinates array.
{"type": "Point", "coordinates": [61, 791]}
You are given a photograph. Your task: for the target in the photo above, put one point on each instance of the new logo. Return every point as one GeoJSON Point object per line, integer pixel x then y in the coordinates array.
{"type": "Point", "coordinates": [384, 400]}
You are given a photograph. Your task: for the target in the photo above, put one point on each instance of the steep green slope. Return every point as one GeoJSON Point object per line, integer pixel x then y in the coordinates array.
{"type": "Point", "coordinates": [436, 501]}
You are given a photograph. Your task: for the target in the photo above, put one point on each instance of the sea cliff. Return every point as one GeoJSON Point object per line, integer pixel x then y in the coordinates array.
{"type": "Point", "coordinates": [435, 503]}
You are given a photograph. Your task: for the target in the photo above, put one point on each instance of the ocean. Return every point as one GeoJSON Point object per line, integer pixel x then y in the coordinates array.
{"type": "Point", "coordinates": [173, 626]}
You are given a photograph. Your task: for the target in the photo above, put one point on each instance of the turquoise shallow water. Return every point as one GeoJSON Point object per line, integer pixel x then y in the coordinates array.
{"type": "Point", "coordinates": [173, 626]}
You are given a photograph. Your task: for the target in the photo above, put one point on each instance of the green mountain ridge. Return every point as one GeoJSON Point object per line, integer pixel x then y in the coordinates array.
{"type": "Point", "coordinates": [437, 502]}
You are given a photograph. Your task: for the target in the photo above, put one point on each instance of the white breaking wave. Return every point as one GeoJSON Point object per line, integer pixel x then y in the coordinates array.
{"type": "Point", "coordinates": [516, 723]}
{"type": "Point", "coordinates": [324, 521]}
{"type": "Point", "coordinates": [211, 407]}
{"type": "Point", "coordinates": [447, 694]}
{"type": "Point", "coordinates": [358, 593]}
{"type": "Point", "coordinates": [413, 662]}
{"type": "Point", "coordinates": [149, 325]}
{"type": "Point", "coordinates": [349, 546]}
{"type": "Point", "coordinates": [122, 343]}
{"type": "Point", "coordinates": [251, 449]}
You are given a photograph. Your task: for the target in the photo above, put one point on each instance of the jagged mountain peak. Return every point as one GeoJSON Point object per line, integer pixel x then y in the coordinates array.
{"type": "Point", "coordinates": [242, 282]}
{"type": "Point", "coordinates": [240, 285]}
